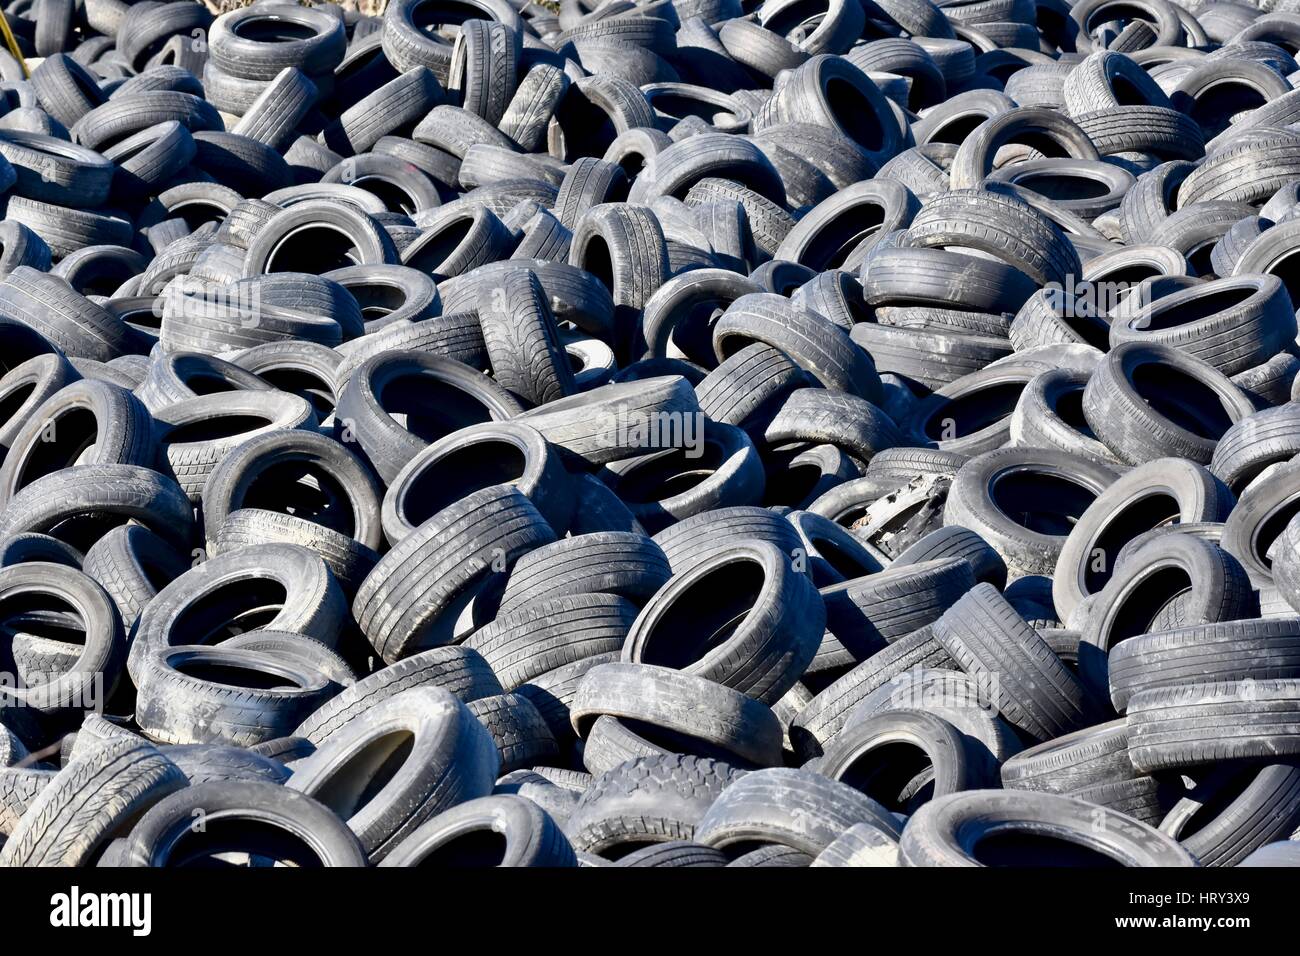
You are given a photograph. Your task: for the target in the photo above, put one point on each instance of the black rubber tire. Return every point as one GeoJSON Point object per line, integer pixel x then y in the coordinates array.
{"type": "Point", "coordinates": [1027, 546]}
{"type": "Point", "coordinates": [175, 707]}
{"type": "Point", "coordinates": [89, 801]}
{"type": "Point", "coordinates": [653, 800]}
{"type": "Point", "coordinates": [709, 719]}
{"type": "Point", "coordinates": [948, 831]}
{"type": "Point", "coordinates": [773, 624]}
{"type": "Point", "coordinates": [1167, 725]}
{"type": "Point", "coordinates": [309, 834]}
{"type": "Point", "coordinates": [1164, 492]}
{"type": "Point", "coordinates": [795, 808]}
{"type": "Point", "coordinates": [529, 837]}
{"type": "Point", "coordinates": [621, 563]}
{"type": "Point", "coordinates": [460, 552]}
{"type": "Point", "coordinates": [115, 494]}
{"type": "Point", "coordinates": [211, 598]}
{"type": "Point", "coordinates": [397, 378]}
{"type": "Point", "coordinates": [451, 759]}
{"type": "Point", "coordinates": [825, 715]}
{"type": "Point", "coordinates": [1136, 428]}
{"type": "Point", "coordinates": [1035, 692]}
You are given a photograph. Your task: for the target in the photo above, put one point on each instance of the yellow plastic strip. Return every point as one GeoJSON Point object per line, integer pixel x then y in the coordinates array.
{"type": "Point", "coordinates": [13, 44]}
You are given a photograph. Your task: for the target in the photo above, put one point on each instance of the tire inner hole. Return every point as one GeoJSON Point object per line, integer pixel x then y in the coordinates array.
{"type": "Point", "coordinates": [464, 470]}
{"type": "Point", "coordinates": [1044, 503]}
{"type": "Point", "coordinates": [304, 490]}
{"type": "Point", "coordinates": [705, 615]}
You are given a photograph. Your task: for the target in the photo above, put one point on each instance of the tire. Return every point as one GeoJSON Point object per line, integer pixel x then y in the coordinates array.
{"type": "Point", "coordinates": [825, 716]}
{"type": "Point", "coordinates": [281, 463]}
{"type": "Point", "coordinates": [176, 707]}
{"type": "Point", "coordinates": [144, 32]}
{"type": "Point", "coordinates": [1035, 692]}
{"type": "Point", "coordinates": [631, 240]}
{"type": "Point", "coordinates": [908, 276]}
{"type": "Point", "coordinates": [397, 378]}
{"type": "Point", "coordinates": [308, 834]}
{"type": "Point", "coordinates": [457, 553]}
{"type": "Point", "coordinates": [619, 563]}
{"type": "Point", "coordinates": [24, 548]}
{"type": "Point", "coordinates": [1164, 492]}
{"type": "Point", "coordinates": [1243, 172]}
{"type": "Point", "coordinates": [795, 808]}
{"type": "Point", "coordinates": [711, 720]}
{"type": "Point", "coordinates": [87, 422]}
{"type": "Point", "coordinates": [587, 425]}
{"type": "Point", "coordinates": [287, 231]}
{"type": "Point", "coordinates": [1047, 415]}
{"type": "Point", "coordinates": [1086, 758]}
{"type": "Point", "coordinates": [942, 833]}
{"type": "Point", "coordinates": [122, 492]}
{"type": "Point", "coordinates": [1248, 807]}
{"type": "Point", "coordinates": [552, 693]}
{"type": "Point", "coordinates": [182, 429]}
{"type": "Point", "coordinates": [1257, 523]}
{"type": "Point", "coordinates": [860, 845]}
{"type": "Point", "coordinates": [522, 736]}
{"type": "Point", "coordinates": [866, 757]}
{"type": "Point", "coordinates": [957, 542]}
{"type": "Point", "coordinates": [65, 89]}
{"type": "Point", "coordinates": [522, 342]}
{"type": "Point", "coordinates": [243, 47]}
{"type": "Point", "coordinates": [112, 122]}
{"type": "Point", "coordinates": [1033, 545]}
{"type": "Point", "coordinates": [868, 122]}
{"type": "Point", "coordinates": [1019, 235]}
{"type": "Point", "coordinates": [1226, 651]}
{"type": "Point", "coordinates": [975, 156]}
{"type": "Point", "coordinates": [150, 159]}
{"type": "Point", "coordinates": [54, 171]}
{"type": "Point", "coordinates": [534, 102]}
{"type": "Point", "coordinates": [953, 696]}
{"type": "Point", "coordinates": [451, 759]}
{"type": "Point", "coordinates": [88, 802]}
{"type": "Point", "coordinates": [674, 853]}
{"type": "Point", "coordinates": [396, 106]}
{"type": "Point", "coordinates": [529, 837]}
{"type": "Point", "coordinates": [237, 583]}
{"type": "Point", "coordinates": [722, 461]}
{"type": "Point", "coordinates": [653, 800]}
{"type": "Point", "coordinates": [407, 43]}
{"type": "Point", "coordinates": [1139, 425]}
{"type": "Point", "coordinates": [923, 358]}
{"type": "Point", "coordinates": [776, 625]}
{"type": "Point", "coordinates": [552, 633]}
{"type": "Point", "coordinates": [1233, 324]}
{"type": "Point", "coordinates": [1166, 724]}
{"type": "Point", "coordinates": [389, 295]}
{"type": "Point", "coordinates": [77, 326]}
{"type": "Point", "coordinates": [819, 347]}
{"type": "Point", "coordinates": [841, 230]}
{"type": "Point", "coordinates": [819, 416]}
{"type": "Point", "coordinates": [1251, 445]}
{"type": "Point", "coordinates": [242, 163]}
{"type": "Point", "coordinates": [696, 539]}
{"type": "Point", "coordinates": [867, 614]}
{"type": "Point", "coordinates": [22, 247]}
{"type": "Point", "coordinates": [273, 117]}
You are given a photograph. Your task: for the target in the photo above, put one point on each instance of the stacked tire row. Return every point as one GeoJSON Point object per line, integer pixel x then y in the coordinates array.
{"type": "Point", "coordinates": [681, 433]}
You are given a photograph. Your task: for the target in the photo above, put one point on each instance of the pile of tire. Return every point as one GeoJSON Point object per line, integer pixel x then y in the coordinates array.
{"type": "Point", "coordinates": [668, 433]}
